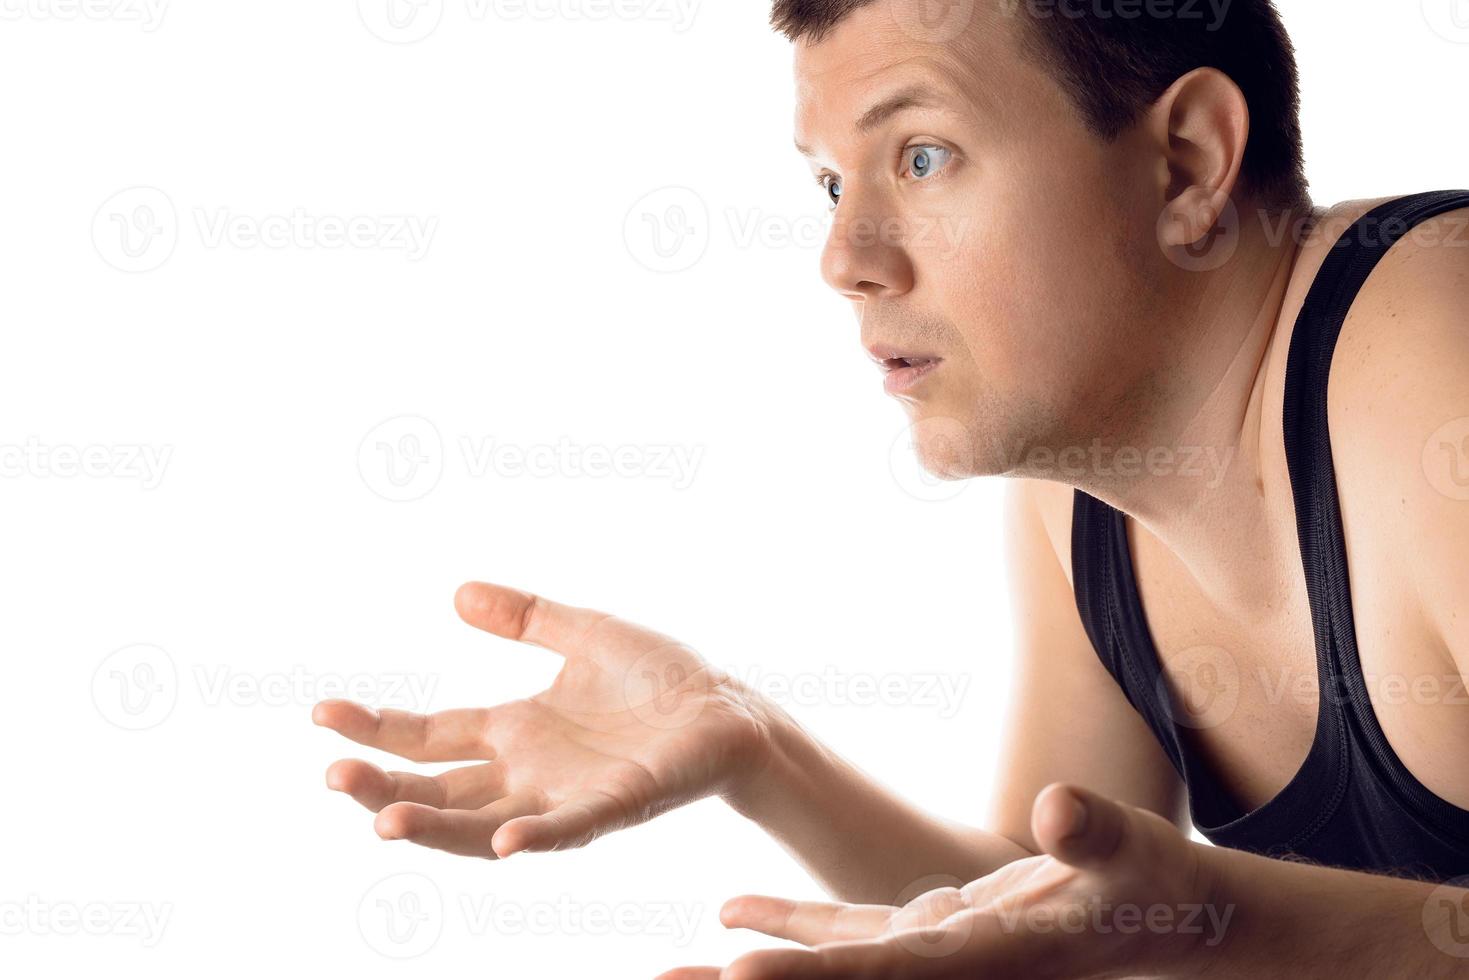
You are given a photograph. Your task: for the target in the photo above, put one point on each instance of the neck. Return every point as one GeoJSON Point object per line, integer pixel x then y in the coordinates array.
{"type": "Point", "coordinates": [1213, 493]}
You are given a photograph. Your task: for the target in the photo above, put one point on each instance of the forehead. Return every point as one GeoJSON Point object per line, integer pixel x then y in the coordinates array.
{"type": "Point", "coordinates": [884, 49]}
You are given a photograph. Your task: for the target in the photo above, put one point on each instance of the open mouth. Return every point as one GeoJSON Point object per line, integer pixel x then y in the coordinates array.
{"type": "Point", "coordinates": [901, 374]}
{"type": "Point", "coordinates": [896, 363]}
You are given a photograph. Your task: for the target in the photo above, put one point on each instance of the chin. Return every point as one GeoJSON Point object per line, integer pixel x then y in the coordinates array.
{"type": "Point", "coordinates": [946, 447]}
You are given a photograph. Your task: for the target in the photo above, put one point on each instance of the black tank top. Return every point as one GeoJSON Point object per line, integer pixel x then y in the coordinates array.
{"type": "Point", "coordinates": [1352, 803]}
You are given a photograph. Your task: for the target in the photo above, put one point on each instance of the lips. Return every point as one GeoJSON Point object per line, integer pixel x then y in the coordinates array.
{"type": "Point", "coordinates": [902, 369]}
{"type": "Point", "coordinates": [892, 358]}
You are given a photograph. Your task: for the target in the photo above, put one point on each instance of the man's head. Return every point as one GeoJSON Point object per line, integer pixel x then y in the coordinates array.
{"type": "Point", "coordinates": [1016, 184]}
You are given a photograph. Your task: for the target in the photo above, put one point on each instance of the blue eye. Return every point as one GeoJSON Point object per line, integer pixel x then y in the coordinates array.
{"type": "Point", "coordinates": [924, 160]}
{"type": "Point", "coordinates": [833, 187]}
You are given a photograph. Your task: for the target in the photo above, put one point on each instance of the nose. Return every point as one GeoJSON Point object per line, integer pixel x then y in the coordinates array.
{"type": "Point", "coordinates": [865, 256]}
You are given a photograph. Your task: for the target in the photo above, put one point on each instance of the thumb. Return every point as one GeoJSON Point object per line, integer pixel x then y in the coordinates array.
{"type": "Point", "coordinates": [1089, 831]}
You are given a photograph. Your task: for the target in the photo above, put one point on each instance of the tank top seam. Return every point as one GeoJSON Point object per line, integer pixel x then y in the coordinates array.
{"type": "Point", "coordinates": [1327, 318]}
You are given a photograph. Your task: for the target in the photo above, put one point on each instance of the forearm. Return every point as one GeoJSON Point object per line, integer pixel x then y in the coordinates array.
{"type": "Point", "coordinates": [861, 841]}
{"type": "Point", "coordinates": [1306, 921]}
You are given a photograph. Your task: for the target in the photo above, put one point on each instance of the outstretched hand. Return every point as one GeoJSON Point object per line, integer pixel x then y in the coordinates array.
{"type": "Point", "coordinates": [1118, 891]}
{"type": "Point", "coordinates": [634, 724]}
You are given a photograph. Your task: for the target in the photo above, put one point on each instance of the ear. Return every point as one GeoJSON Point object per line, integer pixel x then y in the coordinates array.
{"type": "Point", "coordinates": [1200, 127]}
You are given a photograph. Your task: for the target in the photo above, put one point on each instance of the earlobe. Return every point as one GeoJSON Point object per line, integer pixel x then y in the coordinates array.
{"type": "Point", "coordinates": [1191, 214]}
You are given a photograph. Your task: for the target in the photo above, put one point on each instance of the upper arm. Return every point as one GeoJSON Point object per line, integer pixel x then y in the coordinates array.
{"type": "Point", "coordinates": [1398, 404]}
{"type": "Point", "coordinates": [1067, 719]}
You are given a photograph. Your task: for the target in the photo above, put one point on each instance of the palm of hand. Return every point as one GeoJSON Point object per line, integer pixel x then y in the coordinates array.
{"type": "Point", "coordinates": [634, 724]}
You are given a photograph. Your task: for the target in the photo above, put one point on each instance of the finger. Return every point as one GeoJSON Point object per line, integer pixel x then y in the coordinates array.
{"type": "Point", "coordinates": [467, 832]}
{"type": "Point", "coordinates": [525, 617]}
{"type": "Point", "coordinates": [574, 823]}
{"type": "Point", "coordinates": [465, 788]}
{"type": "Point", "coordinates": [690, 973]}
{"type": "Point", "coordinates": [457, 735]}
{"type": "Point", "coordinates": [805, 922]}
{"type": "Point", "coordinates": [844, 960]}
{"type": "Point", "coordinates": [1082, 828]}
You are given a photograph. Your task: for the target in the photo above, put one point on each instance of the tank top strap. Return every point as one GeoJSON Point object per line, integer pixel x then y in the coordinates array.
{"type": "Point", "coordinates": [1313, 478]}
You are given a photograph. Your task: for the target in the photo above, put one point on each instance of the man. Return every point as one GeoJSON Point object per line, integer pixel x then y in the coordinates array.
{"type": "Point", "coordinates": [1138, 282]}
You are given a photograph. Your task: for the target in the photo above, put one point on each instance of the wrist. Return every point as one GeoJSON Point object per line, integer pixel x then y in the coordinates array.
{"type": "Point", "coordinates": [765, 775]}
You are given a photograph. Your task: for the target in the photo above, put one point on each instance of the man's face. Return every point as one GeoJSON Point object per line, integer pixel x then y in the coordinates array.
{"type": "Point", "coordinates": [984, 225]}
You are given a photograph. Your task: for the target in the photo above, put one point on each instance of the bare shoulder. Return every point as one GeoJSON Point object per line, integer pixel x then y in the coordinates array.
{"type": "Point", "coordinates": [1398, 411]}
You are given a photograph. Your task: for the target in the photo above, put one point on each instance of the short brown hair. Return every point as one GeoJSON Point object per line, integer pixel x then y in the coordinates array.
{"type": "Point", "coordinates": [1114, 58]}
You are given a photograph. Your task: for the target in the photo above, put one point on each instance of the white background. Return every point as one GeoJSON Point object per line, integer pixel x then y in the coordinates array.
{"type": "Point", "coordinates": [254, 554]}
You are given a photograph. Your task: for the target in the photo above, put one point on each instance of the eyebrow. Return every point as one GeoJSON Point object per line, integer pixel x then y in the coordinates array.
{"type": "Point", "coordinates": [912, 97]}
